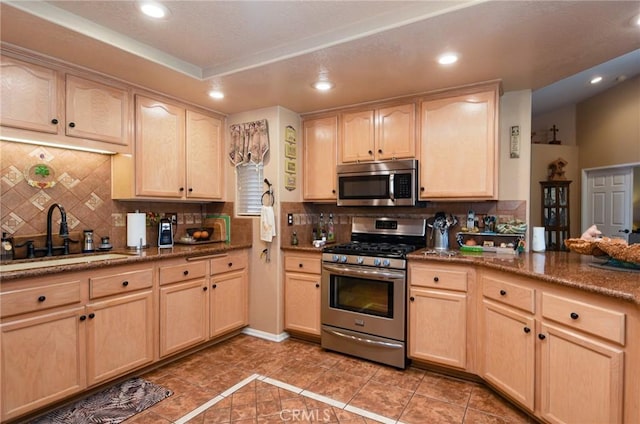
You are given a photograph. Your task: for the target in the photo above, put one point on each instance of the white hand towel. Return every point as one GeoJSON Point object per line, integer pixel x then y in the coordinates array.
{"type": "Point", "coordinates": [267, 224]}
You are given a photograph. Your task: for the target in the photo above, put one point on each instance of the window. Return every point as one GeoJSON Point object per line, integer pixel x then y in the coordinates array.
{"type": "Point", "coordinates": [249, 188]}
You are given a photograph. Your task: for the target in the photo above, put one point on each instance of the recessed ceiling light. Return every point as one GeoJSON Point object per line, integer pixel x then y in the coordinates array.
{"type": "Point", "coordinates": [323, 85]}
{"type": "Point", "coordinates": [595, 80]}
{"type": "Point", "coordinates": [153, 9]}
{"type": "Point", "coordinates": [216, 94]}
{"type": "Point", "coordinates": [636, 21]}
{"type": "Point", "coordinates": [448, 58]}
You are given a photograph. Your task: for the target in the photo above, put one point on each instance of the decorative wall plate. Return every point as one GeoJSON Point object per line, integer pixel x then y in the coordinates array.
{"type": "Point", "coordinates": [41, 175]}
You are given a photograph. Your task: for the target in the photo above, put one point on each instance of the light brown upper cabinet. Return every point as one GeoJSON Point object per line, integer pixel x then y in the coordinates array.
{"type": "Point", "coordinates": [319, 159]}
{"type": "Point", "coordinates": [378, 134]}
{"type": "Point", "coordinates": [459, 146]}
{"type": "Point", "coordinates": [178, 155]}
{"type": "Point", "coordinates": [45, 104]}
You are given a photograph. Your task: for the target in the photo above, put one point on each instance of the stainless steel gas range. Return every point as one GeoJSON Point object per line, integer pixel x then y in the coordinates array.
{"type": "Point", "coordinates": [364, 286]}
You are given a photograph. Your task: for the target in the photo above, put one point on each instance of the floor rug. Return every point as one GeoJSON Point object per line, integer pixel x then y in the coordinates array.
{"type": "Point", "coordinates": [110, 406]}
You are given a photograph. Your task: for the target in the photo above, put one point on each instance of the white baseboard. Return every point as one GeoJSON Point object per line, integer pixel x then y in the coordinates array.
{"type": "Point", "coordinates": [264, 335]}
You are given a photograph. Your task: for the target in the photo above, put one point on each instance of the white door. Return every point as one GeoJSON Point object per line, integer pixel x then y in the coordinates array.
{"type": "Point", "coordinates": [607, 200]}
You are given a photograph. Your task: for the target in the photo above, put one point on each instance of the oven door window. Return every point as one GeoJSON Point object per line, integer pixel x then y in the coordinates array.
{"type": "Point", "coordinates": [365, 296]}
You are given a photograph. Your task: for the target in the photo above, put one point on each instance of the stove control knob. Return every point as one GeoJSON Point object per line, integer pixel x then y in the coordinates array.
{"type": "Point", "coordinates": [376, 262]}
{"type": "Point", "coordinates": [335, 258]}
{"type": "Point", "coordinates": [343, 259]}
{"type": "Point", "coordinates": [386, 262]}
{"type": "Point", "coordinates": [360, 260]}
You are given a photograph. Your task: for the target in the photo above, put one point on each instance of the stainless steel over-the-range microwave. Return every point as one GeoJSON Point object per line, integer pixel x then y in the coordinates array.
{"type": "Point", "coordinates": [388, 183]}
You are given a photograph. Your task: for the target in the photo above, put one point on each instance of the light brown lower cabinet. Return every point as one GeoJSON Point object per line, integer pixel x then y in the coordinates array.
{"type": "Point", "coordinates": [229, 293]}
{"type": "Point", "coordinates": [302, 293]}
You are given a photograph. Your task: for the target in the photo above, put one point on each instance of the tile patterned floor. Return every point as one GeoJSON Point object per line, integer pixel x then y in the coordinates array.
{"type": "Point", "coordinates": [247, 380]}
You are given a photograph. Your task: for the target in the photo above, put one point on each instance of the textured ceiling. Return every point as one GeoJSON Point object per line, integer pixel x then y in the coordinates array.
{"type": "Point", "coordinates": [266, 53]}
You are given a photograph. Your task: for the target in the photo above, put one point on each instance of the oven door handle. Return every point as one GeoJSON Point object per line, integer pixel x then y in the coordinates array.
{"type": "Point", "coordinates": [364, 341]}
{"type": "Point", "coordinates": [374, 273]}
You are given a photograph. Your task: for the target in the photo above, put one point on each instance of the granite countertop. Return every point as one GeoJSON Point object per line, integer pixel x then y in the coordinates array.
{"type": "Point", "coordinates": [145, 255]}
{"type": "Point", "coordinates": [563, 268]}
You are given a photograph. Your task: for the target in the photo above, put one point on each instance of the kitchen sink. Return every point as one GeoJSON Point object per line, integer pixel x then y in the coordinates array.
{"type": "Point", "coordinates": [57, 261]}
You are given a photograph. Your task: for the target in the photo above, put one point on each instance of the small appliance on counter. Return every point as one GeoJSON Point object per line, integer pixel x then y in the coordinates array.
{"type": "Point", "coordinates": [105, 244]}
{"type": "Point", "coordinates": [6, 248]}
{"type": "Point", "coordinates": [165, 233]}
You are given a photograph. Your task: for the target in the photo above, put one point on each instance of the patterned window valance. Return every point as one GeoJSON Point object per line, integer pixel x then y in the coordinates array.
{"type": "Point", "coordinates": [249, 142]}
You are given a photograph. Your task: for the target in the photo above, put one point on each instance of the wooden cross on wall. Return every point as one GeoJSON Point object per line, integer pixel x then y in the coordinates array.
{"type": "Point", "coordinates": [554, 130]}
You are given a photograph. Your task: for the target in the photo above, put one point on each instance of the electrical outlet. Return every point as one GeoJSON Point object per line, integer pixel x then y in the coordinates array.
{"type": "Point", "coordinates": [173, 216]}
{"type": "Point", "coordinates": [289, 219]}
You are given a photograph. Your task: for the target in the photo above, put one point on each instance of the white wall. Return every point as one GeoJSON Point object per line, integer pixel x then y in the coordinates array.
{"type": "Point", "coordinates": [266, 278]}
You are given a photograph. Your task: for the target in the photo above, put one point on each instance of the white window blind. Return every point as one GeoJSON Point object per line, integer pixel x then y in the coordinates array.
{"type": "Point", "coordinates": [249, 188]}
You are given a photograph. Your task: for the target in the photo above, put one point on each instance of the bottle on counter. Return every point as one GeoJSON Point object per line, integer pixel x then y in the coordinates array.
{"type": "Point", "coordinates": [294, 239]}
{"type": "Point", "coordinates": [322, 230]}
{"type": "Point", "coordinates": [331, 235]}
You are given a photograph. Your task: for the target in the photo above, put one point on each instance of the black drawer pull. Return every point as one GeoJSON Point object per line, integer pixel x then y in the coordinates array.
{"type": "Point", "coordinates": [300, 265]}
{"type": "Point", "coordinates": [42, 299]}
{"type": "Point", "coordinates": [92, 315]}
{"type": "Point", "coordinates": [542, 336]}
{"type": "Point", "coordinates": [214, 286]}
{"type": "Point", "coordinates": [54, 121]}
{"type": "Point", "coordinates": [230, 264]}
{"type": "Point", "coordinates": [125, 283]}
{"type": "Point", "coordinates": [573, 315]}
{"type": "Point", "coordinates": [72, 124]}
{"type": "Point", "coordinates": [185, 272]}
{"type": "Point", "coordinates": [436, 279]}
{"type": "Point", "coordinates": [503, 293]}
{"type": "Point", "coordinates": [412, 298]}
{"type": "Point", "coordinates": [204, 288]}
{"type": "Point", "coordinates": [527, 330]}
{"type": "Point", "coordinates": [83, 317]}
{"type": "Point", "coordinates": [317, 285]}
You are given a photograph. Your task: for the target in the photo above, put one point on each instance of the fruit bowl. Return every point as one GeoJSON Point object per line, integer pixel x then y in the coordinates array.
{"type": "Point", "coordinates": [200, 234]}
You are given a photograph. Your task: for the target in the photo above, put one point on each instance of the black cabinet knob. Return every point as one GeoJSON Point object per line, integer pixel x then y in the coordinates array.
{"type": "Point", "coordinates": [204, 288]}
{"type": "Point", "coordinates": [181, 189]}
{"type": "Point", "coordinates": [412, 298]}
{"type": "Point", "coordinates": [214, 286]}
{"type": "Point", "coordinates": [230, 264]}
{"type": "Point", "coordinates": [421, 188]}
{"type": "Point", "coordinates": [92, 315]}
{"type": "Point", "coordinates": [317, 285]}
{"type": "Point", "coordinates": [527, 330]}
{"type": "Point", "coordinates": [72, 124]}
{"type": "Point", "coordinates": [542, 336]}
{"type": "Point", "coordinates": [333, 191]}
{"type": "Point", "coordinates": [436, 279]}
{"type": "Point", "coordinates": [503, 293]}
{"type": "Point", "coordinates": [54, 121]}
{"type": "Point", "coordinates": [185, 272]}
{"type": "Point", "coordinates": [41, 298]}
{"type": "Point", "coordinates": [83, 317]}
{"type": "Point", "coordinates": [370, 152]}
{"type": "Point", "coordinates": [380, 151]}
{"type": "Point", "coordinates": [573, 315]}
{"type": "Point", "coordinates": [300, 265]}
{"type": "Point", "coordinates": [190, 189]}
{"type": "Point", "coordinates": [125, 283]}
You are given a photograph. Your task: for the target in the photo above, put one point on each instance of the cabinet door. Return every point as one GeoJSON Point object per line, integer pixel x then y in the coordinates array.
{"type": "Point", "coordinates": [396, 132]}
{"type": "Point", "coordinates": [119, 336]}
{"type": "Point", "coordinates": [204, 150]}
{"type": "Point", "coordinates": [438, 326]}
{"type": "Point", "coordinates": [96, 111]}
{"type": "Point", "coordinates": [229, 305]}
{"type": "Point", "coordinates": [29, 97]}
{"type": "Point", "coordinates": [302, 303]}
{"type": "Point", "coordinates": [43, 360]}
{"type": "Point", "coordinates": [459, 147]}
{"type": "Point", "coordinates": [581, 378]}
{"type": "Point", "coordinates": [159, 149]}
{"type": "Point", "coordinates": [357, 138]}
{"type": "Point", "coordinates": [319, 167]}
{"type": "Point", "coordinates": [183, 315]}
{"type": "Point", "coordinates": [507, 356]}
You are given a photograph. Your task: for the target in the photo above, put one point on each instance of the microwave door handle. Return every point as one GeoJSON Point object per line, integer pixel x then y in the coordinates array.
{"type": "Point", "coordinates": [392, 195]}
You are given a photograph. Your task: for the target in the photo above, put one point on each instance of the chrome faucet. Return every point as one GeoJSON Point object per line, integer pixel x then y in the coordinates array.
{"type": "Point", "coordinates": [64, 229]}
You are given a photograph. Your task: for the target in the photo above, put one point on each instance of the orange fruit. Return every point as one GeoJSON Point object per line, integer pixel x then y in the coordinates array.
{"type": "Point", "coordinates": [197, 234]}
{"type": "Point", "coordinates": [204, 234]}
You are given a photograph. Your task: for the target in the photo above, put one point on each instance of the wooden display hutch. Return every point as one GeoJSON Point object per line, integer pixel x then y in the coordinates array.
{"type": "Point", "coordinates": [555, 213]}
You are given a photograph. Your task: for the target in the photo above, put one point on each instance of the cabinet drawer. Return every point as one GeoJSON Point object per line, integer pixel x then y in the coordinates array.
{"type": "Point", "coordinates": [307, 264]}
{"type": "Point", "coordinates": [509, 293]}
{"type": "Point", "coordinates": [123, 282]}
{"type": "Point", "coordinates": [425, 276]}
{"type": "Point", "coordinates": [230, 262]}
{"type": "Point", "coordinates": [36, 299]}
{"type": "Point", "coordinates": [605, 323]}
{"type": "Point", "coordinates": [182, 272]}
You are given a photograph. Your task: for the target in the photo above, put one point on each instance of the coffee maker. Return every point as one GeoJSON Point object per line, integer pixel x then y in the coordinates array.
{"type": "Point", "coordinates": [165, 233]}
